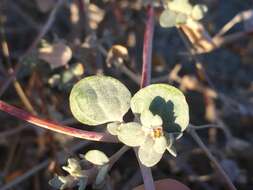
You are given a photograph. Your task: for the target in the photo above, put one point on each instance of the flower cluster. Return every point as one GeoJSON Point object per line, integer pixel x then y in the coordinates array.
{"type": "Point", "coordinates": [180, 11]}
{"type": "Point", "coordinates": [79, 171]}
{"type": "Point", "coordinates": [147, 134]}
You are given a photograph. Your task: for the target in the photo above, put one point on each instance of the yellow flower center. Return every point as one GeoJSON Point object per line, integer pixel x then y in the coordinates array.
{"type": "Point", "coordinates": [157, 132]}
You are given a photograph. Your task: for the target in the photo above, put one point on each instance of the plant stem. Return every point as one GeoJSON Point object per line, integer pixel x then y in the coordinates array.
{"type": "Point", "coordinates": [212, 158]}
{"type": "Point", "coordinates": [118, 154]}
{"type": "Point", "coordinates": [145, 80]}
{"type": "Point", "coordinates": [46, 124]}
{"type": "Point", "coordinates": [147, 48]}
{"type": "Point", "coordinates": [192, 131]}
{"type": "Point", "coordinates": [16, 84]}
{"type": "Point", "coordinates": [146, 174]}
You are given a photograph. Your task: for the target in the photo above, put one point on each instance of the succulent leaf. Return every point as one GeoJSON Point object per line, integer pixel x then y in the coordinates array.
{"type": "Point", "coordinates": [97, 100]}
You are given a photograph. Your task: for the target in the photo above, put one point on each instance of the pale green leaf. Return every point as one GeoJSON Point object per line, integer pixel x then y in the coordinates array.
{"type": "Point", "coordinates": [147, 153]}
{"type": "Point", "coordinates": [199, 11]}
{"type": "Point", "coordinates": [99, 99]}
{"type": "Point", "coordinates": [160, 144]}
{"type": "Point", "coordinates": [168, 18]}
{"type": "Point", "coordinates": [166, 101]}
{"type": "Point", "coordinates": [96, 157]}
{"type": "Point", "coordinates": [182, 6]}
{"type": "Point", "coordinates": [131, 134]}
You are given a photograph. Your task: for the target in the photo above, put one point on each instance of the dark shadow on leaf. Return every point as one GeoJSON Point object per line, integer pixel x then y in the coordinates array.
{"type": "Point", "coordinates": [166, 111]}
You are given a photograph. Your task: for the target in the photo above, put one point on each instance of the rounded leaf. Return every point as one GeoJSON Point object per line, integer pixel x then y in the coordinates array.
{"type": "Point", "coordinates": [165, 184]}
{"type": "Point", "coordinates": [131, 134]}
{"type": "Point", "coordinates": [168, 18]}
{"type": "Point", "coordinates": [96, 157]}
{"type": "Point", "coordinates": [97, 100]}
{"type": "Point", "coordinates": [166, 101]}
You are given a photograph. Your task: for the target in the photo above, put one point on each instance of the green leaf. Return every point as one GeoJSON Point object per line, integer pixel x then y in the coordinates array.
{"type": "Point", "coordinates": [99, 99]}
{"type": "Point", "coordinates": [168, 18]}
{"type": "Point", "coordinates": [131, 134]}
{"type": "Point", "coordinates": [182, 6]}
{"type": "Point", "coordinates": [166, 101]}
{"type": "Point", "coordinates": [96, 157]}
{"type": "Point", "coordinates": [147, 153]}
{"type": "Point", "coordinates": [199, 11]}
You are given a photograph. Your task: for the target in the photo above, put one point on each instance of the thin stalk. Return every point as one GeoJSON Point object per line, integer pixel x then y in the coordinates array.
{"type": "Point", "coordinates": [118, 154]}
{"type": "Point", "coordinates": [146, 174]}
{"type": "Point", "coordinates": [191, 130]}
{"type": "Point", "coordinates": [147, 48]}
{"type": "Point", "coordinates": [198, 140]}
{"type": "Point", "coordinates": [46, 124]}
{"type": "Point", "coordinates": [16, 84]}
{"type": "Point", "coordinates": [145, 80]}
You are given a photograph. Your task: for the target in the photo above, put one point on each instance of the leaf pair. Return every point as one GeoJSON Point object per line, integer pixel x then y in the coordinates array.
{"type": "Point", "coordinates": [98, 100]}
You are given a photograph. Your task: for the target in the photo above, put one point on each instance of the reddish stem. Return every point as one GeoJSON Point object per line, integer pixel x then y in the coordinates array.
{"type": "Point", "coordinates": [145, 80]}
{"type": "Point", "coordinates": [147, 48]}
{"type": "Point", "coordinates": [53, 126]}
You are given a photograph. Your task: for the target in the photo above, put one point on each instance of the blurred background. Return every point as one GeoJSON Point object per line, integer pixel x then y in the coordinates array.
{"type": "Point", "coordinates": [48, 45]}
